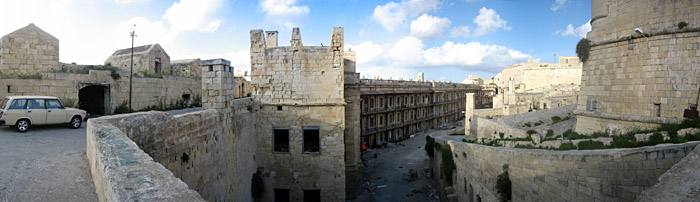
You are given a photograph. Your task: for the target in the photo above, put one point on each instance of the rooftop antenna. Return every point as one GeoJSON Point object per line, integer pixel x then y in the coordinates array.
{"type": "Point", "coordinates": [133, 34]}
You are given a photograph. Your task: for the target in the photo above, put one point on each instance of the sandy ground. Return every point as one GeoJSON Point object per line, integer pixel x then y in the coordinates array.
{"type": "Point", "coordinates": [391, 168]}
{"type": "Point", "coordinates": [47, 163]}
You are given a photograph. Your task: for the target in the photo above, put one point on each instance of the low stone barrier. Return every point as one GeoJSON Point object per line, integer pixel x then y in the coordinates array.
{"type": "Point", "coordinates": [543, 175]}
{"type": "Point", "coordinates": [121, 171]}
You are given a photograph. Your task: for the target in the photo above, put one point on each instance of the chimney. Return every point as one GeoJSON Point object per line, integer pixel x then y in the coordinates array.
{"type": "Point", "coordinates": [271, 39]}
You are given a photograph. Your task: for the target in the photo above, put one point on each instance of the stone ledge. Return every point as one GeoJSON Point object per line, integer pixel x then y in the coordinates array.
{"type": "Point", "coordinates": [121, 171]}
{"type": "Point", "coordinates": [631, 118]}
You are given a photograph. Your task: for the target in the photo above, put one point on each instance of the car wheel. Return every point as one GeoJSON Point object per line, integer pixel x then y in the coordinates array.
{"type": "Point", "coordinates": [76, 121]}
{"type": "Point", "coordinates": [22, 125]}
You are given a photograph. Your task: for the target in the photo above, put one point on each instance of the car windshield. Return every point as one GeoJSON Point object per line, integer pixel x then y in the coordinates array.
{"type": "Point", "coordinates": [3, 103]}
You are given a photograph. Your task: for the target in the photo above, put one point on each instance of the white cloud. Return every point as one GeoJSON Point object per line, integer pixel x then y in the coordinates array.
{"type": "Point", "coordinates": [393, 14]}
{"type": "Point", "coordinates": [489, 21]}
{"type": "Point", "coordinates": [283, 12]}
{"type": "Point", "coordinates": [429, 27]}
{"type": "Point", "coordinates": [366, 52]}
{"type": "Point", "coordinates": [124, 2]}
{"type": "Point", "coordinates": [579, 31]}
{"type": "Point", "coordinates": [411, 52]}
{"type": "Point", "coordinates": [191, 15]}
{"type": "Point", "coordinates": [183, 16]}
{"type": "Point", "coordinates": [461, 31]}
{"type": "Point", "coordinates": [558, 4]}
{"type": "Point", "coordinates": [408, 51]}
{"type": "Point", "coordinates": [283, 7]}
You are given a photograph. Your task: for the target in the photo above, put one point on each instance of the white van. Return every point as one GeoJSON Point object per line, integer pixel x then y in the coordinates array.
{"type": "Point", "coordinates": [24, 111]}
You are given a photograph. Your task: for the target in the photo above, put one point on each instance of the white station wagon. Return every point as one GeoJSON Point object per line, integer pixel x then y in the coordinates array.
{"type": "Point", "coordinates": [24, 111]}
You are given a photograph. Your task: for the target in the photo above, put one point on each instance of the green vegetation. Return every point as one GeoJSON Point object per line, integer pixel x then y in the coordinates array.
{"type": "Point", "coordinates": [108, 67]}
{"type": "Point", "coordinates": [527, 124]}
{"type": "Point", "coordinates": [197, 101]}
{"type": "Point", "coordinates": [567, 146]}
{"type": "Point", "coordinates": [30, 76]}
{"type": "Point", "coordinates": [550, 133]}
{"type": "Point", "coordinates": [557, 119]}
{"type": "Point", "coordinates": [448, 164]}
{"type": "Point", "coordinates": [682, 24]}
{"type": "Point", "coordinates": [501, 135]}
{"type": "Point", "coordinates": [525, 146]}
{"type": "Point", "coordinates": [583, 49]}
{"type": "Point", "coordinates": [531, 132]}
{"type": "Point", "coordinates": [150, 75]}
{"type": "Point", "coordinates": [123, 108]}
{"type": "Point", "coordinates": [504, 187]}
{"type": "Point", "coordinates": [538, 123]}
{"type": "Point", "coordinates": [590, 144]}
{"type": "Point", "coordinates": [185, 157]}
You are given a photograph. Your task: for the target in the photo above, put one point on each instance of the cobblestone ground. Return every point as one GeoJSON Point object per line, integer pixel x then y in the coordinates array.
{"type": "Point", "coordinates": [389, 173]}
{"type": "Point", "coordinates": [47, 163]}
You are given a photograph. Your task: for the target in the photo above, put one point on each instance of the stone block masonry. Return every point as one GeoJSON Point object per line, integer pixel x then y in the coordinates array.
{"type": "Point", "coordinates": [28, 51]}
{"type": "Point", "coordinates": [543, 175]}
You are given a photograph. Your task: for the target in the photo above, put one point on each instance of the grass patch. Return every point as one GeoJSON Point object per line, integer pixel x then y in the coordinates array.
{"type": "Point", "coordinates": [30, 76]}
{"type": "Point", "coordinates": [527, 124]}
{"type": "Point", "coordinates": [590, 144]}
{"type": "Point", "coordinates": [147, 74]}
{"type": "Point", "coordinates": [550, 133]}
{"type": "Point", "coordinates": [448, 164]}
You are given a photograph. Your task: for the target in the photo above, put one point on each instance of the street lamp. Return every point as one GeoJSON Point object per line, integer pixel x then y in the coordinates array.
{"type": "Point", "coordinates": [131, 74]}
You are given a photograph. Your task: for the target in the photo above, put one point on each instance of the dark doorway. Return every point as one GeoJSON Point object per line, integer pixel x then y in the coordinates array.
{"type": "Point", "coordinates": [93, 99]}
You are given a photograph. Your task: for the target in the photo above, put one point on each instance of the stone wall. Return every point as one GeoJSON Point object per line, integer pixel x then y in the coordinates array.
{"type": "Point", "coordinates": [682, 178]}
{"type": "Point", "coordinates": [146, 91]}
{"type": "Point", "coordinates": [196, 147]}
{"type": "Point", "coordinates": [543, 175]}
{"type": "Point", "coordinates": [28, 51]}
{"type": "Point", "coordinates": [491, 129]}
{"type": "Point", "coordinates": [640, 78]}
{"type": "Point", "coordinates": [538, 75]}
{"type": "Point", "coordinates": [121, 171]}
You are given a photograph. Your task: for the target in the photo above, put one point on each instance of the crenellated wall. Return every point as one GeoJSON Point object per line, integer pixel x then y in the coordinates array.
{"type": "Point", "coordinates": [544, 175]}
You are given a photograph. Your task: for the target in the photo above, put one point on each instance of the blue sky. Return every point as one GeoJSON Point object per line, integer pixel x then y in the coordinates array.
{"type": "Point", "coordinates": [447, 40]}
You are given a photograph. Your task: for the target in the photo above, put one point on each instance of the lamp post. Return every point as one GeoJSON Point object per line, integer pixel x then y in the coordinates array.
{"type": "Point", "coordinates": [131, 73]}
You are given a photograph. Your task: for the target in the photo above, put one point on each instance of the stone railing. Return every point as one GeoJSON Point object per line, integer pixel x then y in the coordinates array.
{"type": "Point", "coordinates": [121, 171]}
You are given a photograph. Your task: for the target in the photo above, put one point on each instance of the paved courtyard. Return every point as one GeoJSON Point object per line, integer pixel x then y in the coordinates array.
{"type": "Point", "coordinates": [47, 163]}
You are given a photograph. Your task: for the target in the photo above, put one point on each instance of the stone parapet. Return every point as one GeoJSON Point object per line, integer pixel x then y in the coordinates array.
{"type": "Point", "coordinates": [121, 171]}
{"type": "Point", "coordinates": [544, 175]}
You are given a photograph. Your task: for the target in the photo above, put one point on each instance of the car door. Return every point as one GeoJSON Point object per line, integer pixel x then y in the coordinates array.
{"type": "Point", "coordinates": [55, 112]}
{"type": "Point", "coordinates": [36, 111]}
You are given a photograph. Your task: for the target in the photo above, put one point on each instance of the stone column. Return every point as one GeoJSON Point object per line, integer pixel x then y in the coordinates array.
{"type": "Point", "coordinates": [217, 84]}
{"type": "Point", "coordinates": [468, 115]}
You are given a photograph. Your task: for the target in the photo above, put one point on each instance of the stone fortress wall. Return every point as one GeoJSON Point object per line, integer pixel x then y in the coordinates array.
{"type": "Point", "coordinates": [639, 81]}
{"type": "Point", "coordinates": [539, 75]}
{"type": "Point", "coordinates": [543, 175]}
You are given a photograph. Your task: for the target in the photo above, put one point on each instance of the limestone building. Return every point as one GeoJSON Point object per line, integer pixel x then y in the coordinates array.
{"type": "Point", "coordinates": [643, 67]}
{"type": "Point", "coordinates": [152, 58]}
{"type": "Point", "coordinates": [396, 109]}
{"type": "Point", "coordinates": [27, 51]}
{"type": "Point", "coordinates": [187, 67]}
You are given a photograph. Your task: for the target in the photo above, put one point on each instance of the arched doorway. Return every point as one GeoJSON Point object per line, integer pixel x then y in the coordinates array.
{"type": "Point", "coordinates": [94, 99]}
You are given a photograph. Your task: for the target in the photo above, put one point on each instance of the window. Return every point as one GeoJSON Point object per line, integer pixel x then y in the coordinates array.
{"type": "Point", "coordinates": [18, 104]}
{"type": "Point", "coordinates": [371, 122]}
{"type": "Point", "coordinates": [36, 104]}
{"type": "Point", "coordinates": [657, 106]}
{"type": "Point", "coordinates": [591, 105]}
{"type": "Point", "coordinates": [312, 142]}
{"type": "Point", "coordinates": [281, 138]}
{"type": "Point", "coordinates": [380, 121]}
{"type": "Point", "coordinates": [53, 104]}
{"type": "Point", "coordinates": [312, 195]}
{"type": "Point", "coordinates": [4, 103]}
{"type": "Point", "coordinates": [281, 195]}
{"type": "Point", "coordinates": [279, 108]}
{"type": "Point", "coordinates": [371, 103]}
{"type": "Point", "coordinates": [9, 87]}
{"type": "Point", "coordinates": [211, 68]}
{"type": "Point", "coordinates": [186, 97]}
{"type": "Point", "coordinates": [381, 100]}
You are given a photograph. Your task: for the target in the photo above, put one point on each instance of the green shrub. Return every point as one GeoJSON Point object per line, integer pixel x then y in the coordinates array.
{"type": "Point", "coordinates": [530, 132]}
{"type": "Point", "coordinates": [538, 123]}
{"type": "Point", "coordinates": [590, 144]}
{"type": "Point", "coordinates": [197, 101]}
{"type": "Point", "coordinates": [583, 49]}
{"type": "Point", "coordinates": [503, 187]}
{"type": "Point", "coordinates": [123, 108]}
{"type": "Point", "coordinates": [655, 139]}
{"type": "Point", "coordinates": [624, 141]}
{"type": "Point", "coordinates": [567, 146]}
{"type": "Point", "coordinates": [149, 74]}
{"type": "Point", "coordinates": [600, 134]}
{"type": "Point", "coordinates": [556, 119]}
{"type": "Point", "coordinates": [527, 124]}
{"type": "Point", "coordinates": [448, 164]}
{"type": "Point", "coordinates": [550, 133]}
{"type": "Point", "coordinates": [525, 146]}
{"type": "Point", "coordinates": [30, 76]}
{"type": "Point", "coordinates": [501, 135]}
{"type": "Point", "coordinates": [682, 24]}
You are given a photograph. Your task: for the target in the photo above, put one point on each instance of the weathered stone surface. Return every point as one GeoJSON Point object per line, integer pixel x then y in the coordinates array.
{"type": "Point", "coordinates": [543, 175]}
{"type": "Point", "coordinates": [680, 183]}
